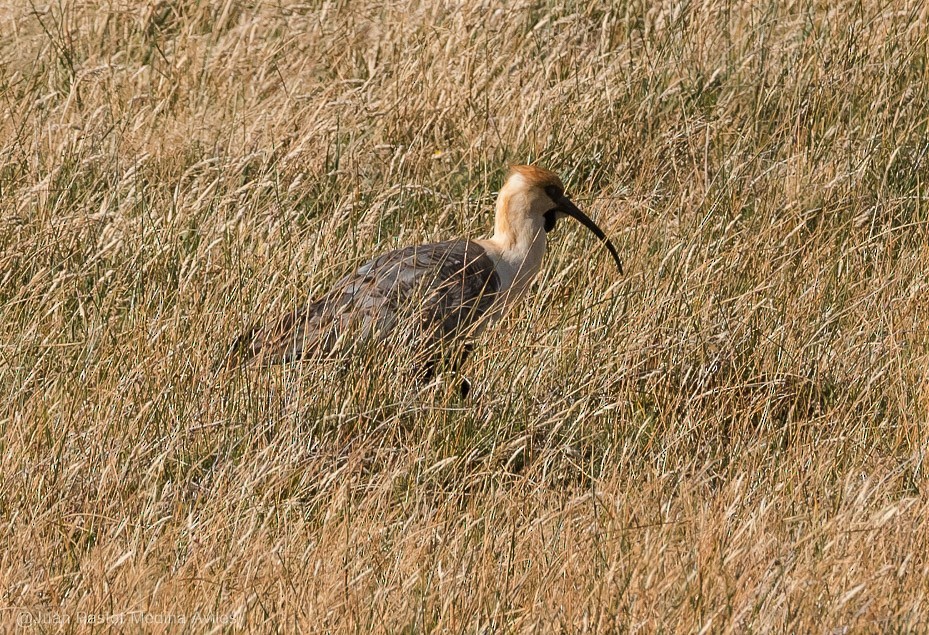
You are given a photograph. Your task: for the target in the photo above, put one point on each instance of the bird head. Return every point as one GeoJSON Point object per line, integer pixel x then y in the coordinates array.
{"type": "Point", "coordinates": [532, 200]}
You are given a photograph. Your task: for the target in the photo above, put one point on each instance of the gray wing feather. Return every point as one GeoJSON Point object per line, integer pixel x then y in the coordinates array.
{"type": "Point", "coordinates": [426, 295]}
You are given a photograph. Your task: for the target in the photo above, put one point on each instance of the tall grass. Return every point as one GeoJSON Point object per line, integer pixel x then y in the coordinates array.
{"type": "Point", "coordinates": [730, 438]}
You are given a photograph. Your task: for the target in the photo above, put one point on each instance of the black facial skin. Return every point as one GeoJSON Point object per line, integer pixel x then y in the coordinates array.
{"type": "Point", "coordinates": [550, 218]}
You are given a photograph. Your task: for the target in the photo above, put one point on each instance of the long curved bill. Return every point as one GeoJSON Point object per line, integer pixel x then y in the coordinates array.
{"type": "Point", "coordinates": [571, 210]}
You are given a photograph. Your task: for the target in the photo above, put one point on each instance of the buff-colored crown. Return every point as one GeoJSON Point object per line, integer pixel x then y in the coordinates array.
{"type": "Point", "coordinates": [536, 176]}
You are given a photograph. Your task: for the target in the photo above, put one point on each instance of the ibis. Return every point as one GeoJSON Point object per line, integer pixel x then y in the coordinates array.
{"type": "Point", "coordinates": [435, 298]}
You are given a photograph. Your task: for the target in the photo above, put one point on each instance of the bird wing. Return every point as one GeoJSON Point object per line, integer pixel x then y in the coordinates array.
{"type": "Point", "coordinates": [425, 294]}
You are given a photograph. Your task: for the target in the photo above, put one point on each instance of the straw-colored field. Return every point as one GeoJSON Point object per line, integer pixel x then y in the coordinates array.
{"type": "Point", "coordinates": [732, 437]}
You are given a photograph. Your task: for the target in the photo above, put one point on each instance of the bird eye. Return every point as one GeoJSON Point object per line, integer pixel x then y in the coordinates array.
{"type": "Point", "coordinates": [554, 192]}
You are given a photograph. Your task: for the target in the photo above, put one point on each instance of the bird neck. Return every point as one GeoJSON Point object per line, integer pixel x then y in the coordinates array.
{"type": "Point", "coordinates": [516, 247]}
{"type": "Point", "coordinates": [515, 227]}
{"type": "Point", "coordinates": [520, 245]}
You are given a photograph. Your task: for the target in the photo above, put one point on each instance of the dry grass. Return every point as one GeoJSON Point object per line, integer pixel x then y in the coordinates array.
{"type": "Point", "coordinates": [731, 438]}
